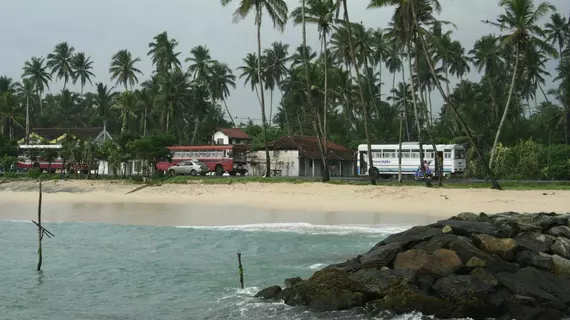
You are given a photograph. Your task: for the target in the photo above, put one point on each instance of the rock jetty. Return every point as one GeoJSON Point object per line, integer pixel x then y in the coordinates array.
{"type": "Point", "coordinates": [503, 266]}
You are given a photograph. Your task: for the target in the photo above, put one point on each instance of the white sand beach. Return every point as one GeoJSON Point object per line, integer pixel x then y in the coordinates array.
{"type": "Point", "coordinates": [353, 203]}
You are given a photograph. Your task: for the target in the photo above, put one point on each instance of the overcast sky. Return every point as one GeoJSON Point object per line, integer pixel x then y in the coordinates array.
{"type": "Point", "coordinates": [101, 28]}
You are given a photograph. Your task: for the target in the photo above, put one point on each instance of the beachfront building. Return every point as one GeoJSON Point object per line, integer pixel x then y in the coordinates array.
{"type": "Point", "coordinates": [54, 136]}
{"type": "Point", "coordinates": [230, 136]}
{"type": "Point", "coordinates": [299, 156]}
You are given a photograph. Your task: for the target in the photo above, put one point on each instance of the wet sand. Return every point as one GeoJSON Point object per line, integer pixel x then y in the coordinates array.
{"type": "Point", "coordinates": [254, 203]}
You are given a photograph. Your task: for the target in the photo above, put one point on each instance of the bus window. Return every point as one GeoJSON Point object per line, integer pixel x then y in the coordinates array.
{"type": "Point", "coordinates": [447, 154]}
{"type": "Point", "coordinates": [376, 154]}
{"type": "Point", "coordinates": [389, 154]}
{"type": "Point", "coordinates": [459, 154]}
{"type": "Point", "coordinates": [406, 154]}
{"type": "Point", "coordinates": [428, 154]}
{"type": "Point", "coordinates": [415, 154]}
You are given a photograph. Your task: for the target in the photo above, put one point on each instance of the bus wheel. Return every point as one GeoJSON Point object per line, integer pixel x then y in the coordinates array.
{"type": "Point", "coordinates": [233, 173]}
{"type": "Point", "coordinates": [219, 170]}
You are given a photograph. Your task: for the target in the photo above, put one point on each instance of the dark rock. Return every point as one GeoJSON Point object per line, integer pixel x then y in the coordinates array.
{"type": "Point", "coordinates": [534, 259]}
{"type": "Point", "coordinates": [503, 247]}
{"type": "Point", "coordinates": [540, 285]}
{"type": "Point", "coordinates": [411, 236]}
{"type": "Point", "coordinates": [379, 281]}
{"type": "Point", "coordinates": [556, 231]}
{"type": "Point", "coordinates": [381, 256]}
{"type": "Point", "coordinates": [327, 290]}
{"type": "Point", "coordinates": [521, 312]}
{"type": "Point", "coordinates": [468, 216]}
{"type": "Point", "coordinates": [269, 293]}
{"type": "Point", "coordinates": [507, 226]}
{"type": "Point", "coordinates": [465, 249]}
{"type": "Point", "coordinates": [292, 281]}
{"type": "Point", "coordinates": [560, 266]}
{"type": "Point", "coordinates": [439, 263]}
{"type": "Point", "coordinates": [485, 276]}
{"type": "Point", "coordinates": [440, 241]}
{"type": "Point", "coordinates": [535, 241]}
{"type": "Point", "coordinates": [425, 283]}
{"type": "Point", "coordinates": [406, 299]}
{"type": "Point", "coordinates": [467, 291]}
{"type": "Point", "coordinates": [561, 247]}
{"type": "Point", "coordinates": [535, 221]}
{"type": "Point", "coordinates": [348, 266]}
{"type": "Point", "coordinates": [467, 228]}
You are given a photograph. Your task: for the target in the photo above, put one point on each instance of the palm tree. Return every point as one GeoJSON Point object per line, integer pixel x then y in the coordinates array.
{"type": "Point", "coordinates": [36, 71]}
{"type": "Point", "coordinates": [123, 69]}
{"type": "Point", "coordinates": [60, 62]}
{"type": "Point", "coordinates": [520, 20]}
{"type": "Point", "coordinates": [222, 79]}
{"type": "Point", "coordinates": [26, 92]}
{"type": "Point", "coordinates": [276, 58]}
{"type": "Point", "coordinates": [7, 84]}
{"type": "Point", "coordinates": [277, 11]}
{"type": "Point", "coordinates": [557, 31]}
{"type": "Point", "coordinates": [174, 96]}
{"type": "Point", "coordinates": [126, 103]}
{"type": "Point", "coordinates": [321, 13]}
{"type": "Point", "coordinates": [103, 102]}
{"type": "Point", "coordinates": [82, 66]}
{"type": "Point", "coordinates": [162, 53]}
{"type": "Point", "coordinates": [201, 63]}
{"type": "Point", "coordinates": [249, 72]}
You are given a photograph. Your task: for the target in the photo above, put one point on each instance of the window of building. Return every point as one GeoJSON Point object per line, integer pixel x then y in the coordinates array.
{"type": "Point", "coordinates": [220, 141]}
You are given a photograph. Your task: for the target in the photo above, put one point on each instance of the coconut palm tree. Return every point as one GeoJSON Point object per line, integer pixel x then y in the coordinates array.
{"type": "Point", "coordinates": [82, 66]}
{"type": "Point", "coordinates": [222, 78]}
{"type": "Point", "coordinates": [162, 53]}
{"type": "Point", "coordinates": [249, 72]}
{"type": "Point", "coordinates": [7, 84]}
{"type": "Point", "coordinates": [174, 97]}
{"type": "Point", "coordinates": [201, 63]}
{"type": "Point", "coordinates": [123, 69]}
{"type": "Point", "coordinates": [519, 22]}
{"type": "Point", "coordinates": [125, 103]}
{"type": "Point", "coordinates": [276, 58]}
{"type": "Point", "coordinates": [103, 102]}
{"type": "Point", "coordinates": [26, 92]}
{"type": "Point", "coordinates": [277, 11]}
{"type": "Point", "coordinates": [37, 72]}
{"type": "Point", "coordinates": [557, 31]}
{"type": "Point", "coordinates": [60, 62]}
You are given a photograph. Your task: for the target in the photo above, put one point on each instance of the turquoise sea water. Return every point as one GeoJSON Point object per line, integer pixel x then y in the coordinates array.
{"type": "Point", "coordinates": [96, 271]}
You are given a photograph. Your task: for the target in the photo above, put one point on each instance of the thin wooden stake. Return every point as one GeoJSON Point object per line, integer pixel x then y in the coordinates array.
{"type": "Point", "coordinates": [240, 270]}
{"type": "Point", "coordinates": [40, 229]}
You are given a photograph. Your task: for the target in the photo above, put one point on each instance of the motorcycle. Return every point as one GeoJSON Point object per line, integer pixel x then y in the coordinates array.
{"type": "Point", "coordinates": [419, 175]}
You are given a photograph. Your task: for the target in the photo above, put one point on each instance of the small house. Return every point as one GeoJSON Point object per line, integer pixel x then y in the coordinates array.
{"type": "Point", "coordinates": [230, 136]}
{"type": "Point", "coordinates": [300, 156]}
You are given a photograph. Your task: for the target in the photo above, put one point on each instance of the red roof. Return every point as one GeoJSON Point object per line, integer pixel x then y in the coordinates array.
{"type": "Point", "coordinates": [236, 133]}
{"type": "Point", "coordinates": [309, 147]}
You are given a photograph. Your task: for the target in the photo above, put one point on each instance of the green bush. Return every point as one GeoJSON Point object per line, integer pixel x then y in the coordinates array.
{"type": "Point", "coordinates": [34, 173]}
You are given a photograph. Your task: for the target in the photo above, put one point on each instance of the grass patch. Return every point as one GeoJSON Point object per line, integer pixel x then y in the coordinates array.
{"type": "Point", "coordinates": [448, 184]}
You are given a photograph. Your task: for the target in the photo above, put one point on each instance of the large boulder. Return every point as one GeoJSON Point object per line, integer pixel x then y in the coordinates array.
{"type": "Point", "coordinates": [504, 248]}
{"type": "Point", "coordinates": [379, 281]}
{"type": "Point", "coordinates": [381, 256]}
{"type": "Point", "coordinates": [439, 263]}
{"type": "Point", "coordinates": [535, 241]}
{"type": "Point", "coordinates": [466, 227]}
{"type": "Point", "coordinates": [561, 247]}
{"type": "Point", "coordinates": [468, 291]}
{"type": "Point", "coordinates": [411, 236]}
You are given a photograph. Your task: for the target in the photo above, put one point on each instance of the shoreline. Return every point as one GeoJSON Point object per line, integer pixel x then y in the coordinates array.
{"type": "Point", "coordinates": [294, 202]}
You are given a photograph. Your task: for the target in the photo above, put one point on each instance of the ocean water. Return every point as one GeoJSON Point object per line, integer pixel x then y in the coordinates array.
{"type": "Point", "coordinates": [96, 271]}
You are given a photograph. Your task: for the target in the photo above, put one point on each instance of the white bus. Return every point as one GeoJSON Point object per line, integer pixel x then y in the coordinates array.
{"type": "Point", "coordinates": [385, 158]}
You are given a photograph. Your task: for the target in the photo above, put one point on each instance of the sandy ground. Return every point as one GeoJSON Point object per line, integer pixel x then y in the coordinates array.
{"type": "Point", "coordinates": [312, 197]}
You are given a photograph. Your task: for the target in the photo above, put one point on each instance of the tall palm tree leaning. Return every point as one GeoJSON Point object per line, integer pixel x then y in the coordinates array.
{"type": "Point", "coordinates": [277, 12]}
{"type": "Point", "coordinates": [321, 13]}
{"type": "Point", "coordinates": [354, 64]}
{"type": "Point", "coordinates": [520, 19]}
{"type": "Point", "coordinates": [36, 71]}
{"type": "Point", "coordinates": [466, 130]}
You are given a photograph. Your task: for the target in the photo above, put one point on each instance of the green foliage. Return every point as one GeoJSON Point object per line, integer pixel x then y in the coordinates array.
{"type": "Point", "coordinates": [151, 149]}
{"type": "Point", "coordinates": [34, 173]}
{"type": "Point", "coordinates": [7, 147]}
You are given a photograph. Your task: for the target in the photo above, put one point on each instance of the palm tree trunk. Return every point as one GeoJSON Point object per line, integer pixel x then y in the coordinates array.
{"type": "Point", "coordinates": [406, 103]}
{"type": "Point", "coordinates": [506, 111]}
{"type": "Point", "coordinates": [195, 130]}
{"type": "Point", "coordinates": [417, 118]}
{"type": "Point", "coordinates": [27, 120]}
{"type": "Point", "coordinates": [124, 126]}
{"type": "Point", "coordinates": [400, 146]}
{"type": "Point", "coordinates": [40, 101]}
{"type": "Point", "coordinates": [319, 129]}
{"type": "Point", "coordinates": [263, 118]}
{"type": "Point", "coordinates": [228, 111]}
{"type": "Point", "coordinates": [326, 102]}
{"type": "Point", "coordinates": [360, 91]}
{"type": "Point", "coordinates": [490, 173]}
{"type": "Point", "coordinates": [285, 112]}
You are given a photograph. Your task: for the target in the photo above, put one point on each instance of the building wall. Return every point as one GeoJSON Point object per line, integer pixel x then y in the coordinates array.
{"type": "Point", "coordinates": [220, 135]}
{"type": "Point", "coordinates": [285, 160]}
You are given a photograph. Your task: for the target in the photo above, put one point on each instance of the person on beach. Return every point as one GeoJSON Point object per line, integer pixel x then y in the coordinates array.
{"type": "Point", "coordinates": [333, 170]}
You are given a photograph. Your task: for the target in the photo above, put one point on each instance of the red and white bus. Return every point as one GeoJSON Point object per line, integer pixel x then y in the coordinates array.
{"type": "Point", "coordinates": [219, 158]}
{"type": "Point", "coordinates": [26, 163]}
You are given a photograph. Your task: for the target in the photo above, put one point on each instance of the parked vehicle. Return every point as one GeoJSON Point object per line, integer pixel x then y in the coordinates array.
{"type": "Point", "coordinates": [193, 168]}
{"type": "Point", "coordinates": [218, 158]}
{"type": "Point", "coordinates": [385, 158]}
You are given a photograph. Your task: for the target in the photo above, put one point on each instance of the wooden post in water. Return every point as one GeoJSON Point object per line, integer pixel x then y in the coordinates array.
{"type": "Point", "coordinates": [240, 270]}
{"type": "Point", "coordinates": [40, 230]}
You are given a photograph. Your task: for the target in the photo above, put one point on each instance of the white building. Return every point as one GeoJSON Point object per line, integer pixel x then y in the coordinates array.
{"type": "Point", "coordinates": [230, 136]}
{"type": "Point", "coordinates": [299, 156]}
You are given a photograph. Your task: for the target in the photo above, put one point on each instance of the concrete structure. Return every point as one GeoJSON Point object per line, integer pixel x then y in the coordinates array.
{"type": "Point", "coordinates": [230, 136]}
{"type": "Point", "coordinates": [299, 156]}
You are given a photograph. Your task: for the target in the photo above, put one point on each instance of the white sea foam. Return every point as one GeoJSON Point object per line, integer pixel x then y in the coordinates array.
{"type": "Point", "coordinates": [317, 266]}
{"type": "Point", "coordinates": [306, 228]}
